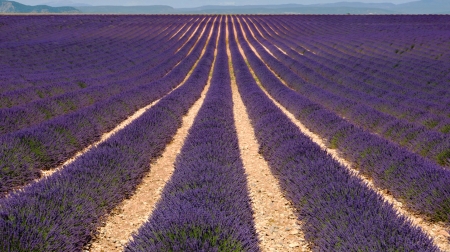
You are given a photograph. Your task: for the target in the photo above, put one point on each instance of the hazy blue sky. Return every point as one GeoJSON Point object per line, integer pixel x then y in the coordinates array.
{"type": "Point", "coordinates": [195, 3]}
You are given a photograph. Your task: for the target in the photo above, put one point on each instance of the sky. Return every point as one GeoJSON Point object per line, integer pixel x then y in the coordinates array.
{"type": "Point", "coordinates": [196, 3]}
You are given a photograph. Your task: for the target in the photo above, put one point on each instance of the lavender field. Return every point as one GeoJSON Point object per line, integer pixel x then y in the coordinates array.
{"type": "Point", "coordinates": [350, 114]}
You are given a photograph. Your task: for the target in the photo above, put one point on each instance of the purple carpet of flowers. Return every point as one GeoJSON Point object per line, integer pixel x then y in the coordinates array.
{"type": "Point", "coordinates": [420, 183]}
{"type": "Point", "coordinates": [205, 206]}
{"type": "Point", "coordinates": [42, 146]}
{"type": "Point", "coordinates": [375, 88]}
{"type": "Point", "coordinates": [335, 207]}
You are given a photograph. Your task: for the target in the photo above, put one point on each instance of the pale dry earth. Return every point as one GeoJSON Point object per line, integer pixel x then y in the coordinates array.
{"type": "Point", "coordinates": [436, 231]}
{"type": "Point", "coordinates": [274, 216]}
{"type": "Point", "coordinates": [275, 219]}
{"type": "Point", "coordinates": [119, 127]}
{"type": "Point", "coordinates": [262, 35]}
{"type": "Point", "coordinates": [190, 37]}
{"type": "Point", "coordinates": [182, 28]}
{"type": "Point", "coordinates": [132, 213]}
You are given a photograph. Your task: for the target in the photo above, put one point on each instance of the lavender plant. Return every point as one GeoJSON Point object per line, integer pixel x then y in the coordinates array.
{"type": "Point", "coordinates": [61, 212]}
{"type": "Point", "coordinates": [338, 211]}
{"type": "Point", "coordinates": [422, 185]}
{"type": "Point", "coordinates": [24, 153]}
{"type": "Point", "coordinates": [205, 206]}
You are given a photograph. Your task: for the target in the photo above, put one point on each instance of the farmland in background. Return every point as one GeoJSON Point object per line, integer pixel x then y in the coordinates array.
{"type": "Point", "coordinates": [88, 103]}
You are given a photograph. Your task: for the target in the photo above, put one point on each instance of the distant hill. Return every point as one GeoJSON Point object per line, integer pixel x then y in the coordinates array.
{"type": "Point", "coordinates": [283, 9]}
{"type": "Point", "coordinates": [385, 6]}
{"type": "Point", "coordinates": [425, 7]}
{"type": "Point", "coordinates": [15, 7]}
{"type": "Point", "coordinates": [151, 9]}
{"type": "Point", "coordinates": [416, 7]}
{"type": "Point", "coordinates": [60, 3]}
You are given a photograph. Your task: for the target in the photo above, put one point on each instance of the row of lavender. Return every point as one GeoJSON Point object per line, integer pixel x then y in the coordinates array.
{"type": "Point", "coordinates": [376, 40]}
{"type": "Point", "coordinates": [137, 50]}
{"type": "Point", "coordinates": [47, 85]}
{"type": "Point", "coordinates": [332, 204]}
{"type": "Point", "coordinates": [43, 146]}
{"type": "Point", "coordinates": [33, 113]}
{"type": "Point", "coordinates": [62, 212]}
{"type": "Point", "coordinates": [370, 70]}
{"type": "Point", "coordinates": [349, 85]}
{"type": "Point", "coordinates": [205, 206]}
{"type": "Point", "coordinates": [420, 184]}
{"type": "Point", "coordinates": [61, 45]}
{"type": "Point", "coordinates": [364, 110]}
{"type": "Point", "coordinates": [76, 51]}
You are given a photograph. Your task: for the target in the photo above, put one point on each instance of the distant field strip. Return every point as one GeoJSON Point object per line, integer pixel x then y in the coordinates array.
{"type": "Point", "coordinates": [225, 133]}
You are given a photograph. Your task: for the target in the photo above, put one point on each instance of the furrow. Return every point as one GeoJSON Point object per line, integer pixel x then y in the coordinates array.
{"type": "Point", "coordinates": [437, 230]}
{"type": "Point", "coordinates": [126, 218]}
{"type": "Point", "coordinates": [275, 219]}
{"type": "Point", "coordinates": [387, 208]}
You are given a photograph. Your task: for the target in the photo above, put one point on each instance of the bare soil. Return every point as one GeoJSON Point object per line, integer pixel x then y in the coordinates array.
{"type": "Point", "coordinates": [275, 219]}
{"type": "Point", "coordinates": [120, 126]}
{"type": "Point", "coordinates": [436, 231]}
{"type": "Point", "coordinates": [132, 213]}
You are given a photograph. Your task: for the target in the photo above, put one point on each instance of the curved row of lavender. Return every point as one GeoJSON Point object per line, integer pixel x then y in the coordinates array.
{"type": "Point", "coordinates": [166, 40]}
{"type": "Point", "coordinates": [404, 92]}
{"type": "Point", "coordinates": [430, 86]}
{"type": "Point", "coordinates": [205, 206]}
{"type": "Point", "coordinates": [420, 184]}
{"type": "Point", "coordinates": [24, 153]}
{"type": "Point", "coordinates": [322, 74]}
{"type": "Point", "coordinates": [83, 47]}
{"type": "Point", "coordinates": [62, 212]}
{"type": "Point", "coordinates": [20, 117]}
{"type": "Point", "coordinates": [338, 211]}
{"type": "Point", "coordinates": [375, 45]}
{"type": "Point", "coordinates": [62, 43]}
{"type": "Point", "coordinates": [337, 69]}
{"type": "Point", "coordinates": [417, 138]}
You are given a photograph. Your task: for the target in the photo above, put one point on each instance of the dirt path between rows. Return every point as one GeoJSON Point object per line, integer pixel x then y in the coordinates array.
{"type": "Point", "coordinates": [260, 33]}
{"type": "Point", "coordinates": [190, 37]}
{"type": "Point", "coordinates": [275, 219]}
{"type": "Point", "coordinates": [132, 213]}
{"type": "Point", "coordinates": [436, 231]}
{"type": "Point", "coordinates": [120, 126]}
